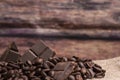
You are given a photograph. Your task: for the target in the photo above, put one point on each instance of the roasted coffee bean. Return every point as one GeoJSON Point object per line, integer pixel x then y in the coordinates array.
{"type": "Point", "coordinates": [50, 64]}
{"type": "Point", "coordinates": [77, 58]}
{"type": "Point", "coordinates": [13, 65]}
{"type": "Point", "coordinates": [90, 74]}
{"type": "Point", "coordinates": [28, 62]}
{"type": "Point", "coordinates": [78, 77]}
{"type": "Point", "coordinates": [35, 78]}
{"type": "Point", "coordinates": [38, 61]}
{"type": "Point", "coordinates": [45, 65]}
{"type": "Point", "coordinates": [99, 75]}
{"type": "Point", "coordinates": [46, 70]}
{"type": "Point", "coordinates": [51, 73]}
{"type": "Point", "coordinates": [58, 59]}
{"type": "Point", "coordinates": [83, 70]}
{"type": "Point", "coordinates": [77, 68]}
{"type": "Point", "coordinates": [64, 59]}
{"type": "Point", "coordinates": [76, 73]}
{"type": "Point", "coordinates": [43, 74]}
{"type": "Point", "coordinates": [71, 77]}
{"type": "Point", "coordinates": [54, 61]}
{"type": "Point", "coordinates": [85, 60]}
{"type": "Point", "coordinates": [47, 78]}
{"type": "Point", "coordinates": [97, 69]}
{"type": "Point", "coordinates": [89, 64]}
{"type": "Point", "coordinates": [72, 59]}
{"type": "Point", "coordinates": [81, 64]}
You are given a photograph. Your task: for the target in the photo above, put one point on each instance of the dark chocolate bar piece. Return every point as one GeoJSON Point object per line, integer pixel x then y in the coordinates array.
{"type": "Point", "coordinates": [10, 54]}
{"type": "Point", "coordinates": [38, 50]}
{"type": "Point", "coordinates": [13, 47]}
{"type": "Point", "coordinates": [63, 70]}
{"type": "Point", "coordinates": [47, 54]}
{"type": "Point", "coordinates": [29, 55]}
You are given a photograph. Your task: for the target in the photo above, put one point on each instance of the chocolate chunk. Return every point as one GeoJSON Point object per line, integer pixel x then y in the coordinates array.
{"type": "Point", "coordinates": [63, 70]}
{"type": "Point", "coordinates": [41, 50]}
{"type": "Point", "coordinates": [13, 47]}
{"type": "Point", "coordinates": [10, 54]}
{"type": "Point", "coordinates": [38, 48]}
{"type": "Point", "coordinates": [47, 54]}
{"type": "Point", "coordinates": [61, 66]}
{"type": "Point", "coordinates": [29, 55]}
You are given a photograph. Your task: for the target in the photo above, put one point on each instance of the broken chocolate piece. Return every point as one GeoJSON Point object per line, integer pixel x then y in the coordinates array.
{"type": "Point", "coordinates": [10, 54]}
{"type": "Point", "coordinates": [29, 55]}
{"type": "Point", "coordinates": [38, 50]}
{"type": "Point", "coordinates": [47, 54]}
{"type": "Point", "coordinates": [13, 47]}
{"type": "Point", "coordinates": [63, 70]}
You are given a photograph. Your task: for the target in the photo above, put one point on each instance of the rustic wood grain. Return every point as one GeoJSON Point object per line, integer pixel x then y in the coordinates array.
{"type": "Point", "coordinates": [63, 33]}
{"type": "Point", "coordinates": [71, 14]}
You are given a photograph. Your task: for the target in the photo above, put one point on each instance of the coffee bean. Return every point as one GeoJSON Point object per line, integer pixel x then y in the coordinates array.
{"type": "Point", "coordinates": [45, 65]}
{"type": "Point", "coordinates": [47, 78]}
{"type": "Point", "coordinates": [96, 69]}
{"type": "Point", "coordinates": [51, 73]}
{"type": "Point", "coordinates": [81, 64]}
{"type": "Point", "coordinates": [78, 77]}
{"type": "Point", "coordinates": [90, 74]}
{"type": "Point", "coordinates": [71, 77]}
{"type": "Point", "coordinates": [13, 65]}
{"type": "Point", "coordinates": [50, 64]}
{"type": "Point", "coordinates": [64, 59]}
{"type": "Point", "coordinates": [89, 64]}
{"type": "Point", "coordinates": [77, 68]}
{"type": "Point", "coordinates": [43, 74]}
{"type": "Point", "coordinates": [76, 73]}
{"type": "Point", "coordinates": [28, 62]}
{"type": "Point", "coordinates": [38, 61]}
{"type": "Point", "coordinates": [83, 70]}
{"type": "Point", "coordinates": [72, 59]}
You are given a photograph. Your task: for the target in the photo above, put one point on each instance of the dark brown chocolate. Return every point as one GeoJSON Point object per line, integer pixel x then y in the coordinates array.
{"type": "Point", "coordinates": [63, 70]}
{"type": "Point", "coordinates": [29, 55]}
{"type": "Point", "coordinates": [10, 54]}
{"type": "Point", "coordinates": [38, 50]}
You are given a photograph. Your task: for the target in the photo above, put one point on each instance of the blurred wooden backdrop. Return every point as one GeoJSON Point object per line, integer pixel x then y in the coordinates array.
{"type": "Point", "coordinates": [88, 28]}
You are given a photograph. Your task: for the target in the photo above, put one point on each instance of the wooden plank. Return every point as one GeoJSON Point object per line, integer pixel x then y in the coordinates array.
{"type": "Point", "coordinates": [78, 34]}
{"type": "Point", "coordinates": [74, 14]}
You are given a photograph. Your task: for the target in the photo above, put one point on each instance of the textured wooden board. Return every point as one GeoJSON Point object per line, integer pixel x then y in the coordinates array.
{"type": "Point", "coordinates": [60, 13]}
{"type": "Point", "coordinates": [63, 33]}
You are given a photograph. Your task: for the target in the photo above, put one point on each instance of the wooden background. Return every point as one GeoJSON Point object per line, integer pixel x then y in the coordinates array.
{"type": "Point", "coordinates": [84, 28]}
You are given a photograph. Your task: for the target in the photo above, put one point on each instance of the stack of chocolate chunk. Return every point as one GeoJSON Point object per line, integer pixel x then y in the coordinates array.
{"type": "Point", "coordinates": [40, 63]}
